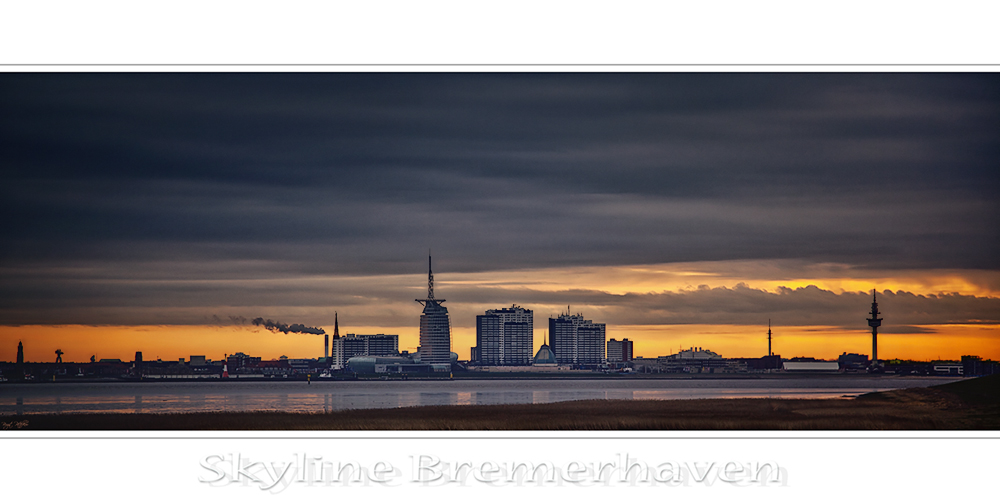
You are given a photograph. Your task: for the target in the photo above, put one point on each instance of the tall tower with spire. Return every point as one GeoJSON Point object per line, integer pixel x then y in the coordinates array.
{"type": "Point", "coordinates": [19, 365]}
{"type": "Point", "coordinates": [435, 325]}
{"type": "Point", "coordinates": [335, 359]}
{"type": "Point", "coordinates": [874, 322]}
{"type": "Point", "coordinates": [769, 352]}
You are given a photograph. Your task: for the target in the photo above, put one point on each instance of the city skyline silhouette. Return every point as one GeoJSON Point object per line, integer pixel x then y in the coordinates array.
{"type": "Point", "coordinates": [152, 212]}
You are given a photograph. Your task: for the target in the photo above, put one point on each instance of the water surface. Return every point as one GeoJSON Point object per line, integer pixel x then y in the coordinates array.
{"type": "Point", "coordinates": [337, 395]}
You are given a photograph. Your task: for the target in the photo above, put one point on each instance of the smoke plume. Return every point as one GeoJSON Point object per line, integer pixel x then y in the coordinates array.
{"type": "Point", "coordinates": [277, 326]}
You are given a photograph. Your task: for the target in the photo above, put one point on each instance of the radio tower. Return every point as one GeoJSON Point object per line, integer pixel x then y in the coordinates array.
{"type": "Point", "coordinates": [874, 322]}
{"type": "Point", "coordinates": [769, 352]}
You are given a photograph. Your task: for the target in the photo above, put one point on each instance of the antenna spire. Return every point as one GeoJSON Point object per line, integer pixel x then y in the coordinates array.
{"type": "Point", "coordinates": [430, 276]}
{"type": "Point", "coordinates": [430, 300]}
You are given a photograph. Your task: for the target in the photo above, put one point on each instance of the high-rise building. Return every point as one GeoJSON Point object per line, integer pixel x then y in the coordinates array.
{"type": "Point", "coordinates": [619, 351]}
{"type": "Point", "coordinates": [380, 344]}
{"type": "Point", "coordinates": [351, 345]}
{"type": "Point", "coordinates": [435, 326]}
{"type": "Point", "coordinates": [504, 336]}
{"type": "Point", "coordinates": [345, 348]}
{"type": "Point", "coordinates": [576, 340]}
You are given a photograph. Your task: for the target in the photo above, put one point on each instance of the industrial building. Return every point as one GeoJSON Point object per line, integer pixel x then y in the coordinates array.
{"type": "Point", "coordinates": [852, 361]}
{"type": "Point", "coordinates": [810, 366]}
{"type": "Point", "coordinates": [399, 364]}
{"type": "Point", "coordinates": [504, 337]}
{"type": "Point", "coordinates": [386, 365]}
{"type": "Point", "coordinates": [692, 360]}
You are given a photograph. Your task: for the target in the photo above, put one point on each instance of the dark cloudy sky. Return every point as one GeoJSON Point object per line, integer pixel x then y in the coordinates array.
{"type": "Point", "coordinates": [132, 197]}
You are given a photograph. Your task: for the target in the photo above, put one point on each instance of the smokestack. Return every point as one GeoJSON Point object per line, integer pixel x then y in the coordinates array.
{"type": "Point", "coordinates": [326, 343]}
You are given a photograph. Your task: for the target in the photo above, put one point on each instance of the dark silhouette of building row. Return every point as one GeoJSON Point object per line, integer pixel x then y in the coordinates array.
{"type": "Point", "coordinates": [853, 361]}
{"type": "Point", "coordinates": [973, 366]}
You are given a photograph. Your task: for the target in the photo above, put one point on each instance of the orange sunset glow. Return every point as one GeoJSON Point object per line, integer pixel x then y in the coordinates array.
{"type": "Point", "coordinates": [79, 343]}
{"type": "Point", "coordinates": [918, 341]}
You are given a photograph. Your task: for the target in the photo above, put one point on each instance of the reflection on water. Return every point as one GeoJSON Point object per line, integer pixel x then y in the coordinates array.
{"type": "Point", "coordinates": [332, 396]}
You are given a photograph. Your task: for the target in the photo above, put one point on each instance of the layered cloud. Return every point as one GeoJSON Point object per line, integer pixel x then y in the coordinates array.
{"type": "Point", "coordinates": [169, 198]}
{"type": "Point", "coordinates": [389, 301]}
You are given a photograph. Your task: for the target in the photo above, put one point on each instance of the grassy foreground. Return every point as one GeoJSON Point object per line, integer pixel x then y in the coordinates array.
{"type": "Point", "coordinates": [965, 405]}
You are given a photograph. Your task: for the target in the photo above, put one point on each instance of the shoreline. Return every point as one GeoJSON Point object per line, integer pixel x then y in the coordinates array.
{"type": "Point", "coordinates": [972, 404]}
{"type": "Point", "coordinates": [512, 376]}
